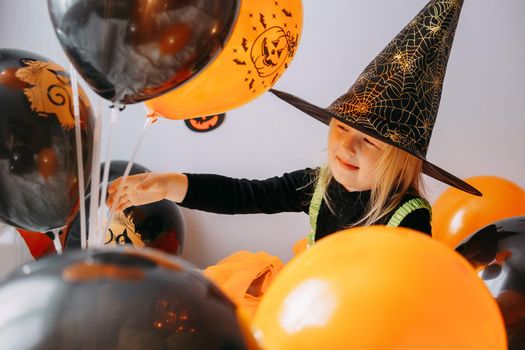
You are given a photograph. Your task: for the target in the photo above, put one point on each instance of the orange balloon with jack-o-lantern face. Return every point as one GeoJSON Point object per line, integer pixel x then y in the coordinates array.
{"type": "Point", "coordinates": [262, 45]}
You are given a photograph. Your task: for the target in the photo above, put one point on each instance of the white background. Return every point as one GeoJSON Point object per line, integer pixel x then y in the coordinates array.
{"type": "Point", "coordinates": [479, 130]}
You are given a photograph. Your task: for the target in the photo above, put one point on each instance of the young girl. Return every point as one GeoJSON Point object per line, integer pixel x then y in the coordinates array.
{"type": "Point", "coordinates": [365, 182]}
{"type": "Point", "coordinates": [379, 133]}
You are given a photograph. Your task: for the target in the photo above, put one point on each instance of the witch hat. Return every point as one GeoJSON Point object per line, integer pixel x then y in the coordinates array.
{"type": "Point", "coordinates": [396, 98]}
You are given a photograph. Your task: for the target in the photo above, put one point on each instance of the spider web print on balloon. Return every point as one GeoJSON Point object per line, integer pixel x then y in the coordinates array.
{"type": "Point", "coordinates": [274, 47]}
{"type": "Point", "coordinates": [397, 96]}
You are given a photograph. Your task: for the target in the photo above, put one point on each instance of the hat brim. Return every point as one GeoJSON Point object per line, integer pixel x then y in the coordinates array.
{"type": "Point", "coordinates": [324, 116]}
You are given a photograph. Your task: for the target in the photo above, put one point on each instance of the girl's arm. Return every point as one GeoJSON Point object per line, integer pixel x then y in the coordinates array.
{"type": "Point", "coordinates": [226, 195]}
{"type": "Point", "coordinates": [219, 194]}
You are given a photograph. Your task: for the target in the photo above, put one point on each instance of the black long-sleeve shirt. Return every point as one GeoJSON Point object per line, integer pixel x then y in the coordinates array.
{"type": "Point", "coordinates": [291, 192]}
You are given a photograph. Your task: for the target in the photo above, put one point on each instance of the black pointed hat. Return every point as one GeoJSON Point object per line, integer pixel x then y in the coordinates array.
{"type": "Point", "coordinates": [396, 98]}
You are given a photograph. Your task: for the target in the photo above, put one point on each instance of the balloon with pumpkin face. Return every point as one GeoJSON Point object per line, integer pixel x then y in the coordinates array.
{"type": "Point", "coordinates": [263, 43]}
{"type": "Point", "coordinates": [205, 124]}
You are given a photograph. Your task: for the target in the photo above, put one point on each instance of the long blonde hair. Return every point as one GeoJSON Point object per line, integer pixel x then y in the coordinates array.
{"type": "Point", "coordinates": [397, 173]}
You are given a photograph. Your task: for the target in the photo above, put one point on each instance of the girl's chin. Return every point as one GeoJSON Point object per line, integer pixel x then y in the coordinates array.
{"type": "Point", "coordinates": [343, 181]}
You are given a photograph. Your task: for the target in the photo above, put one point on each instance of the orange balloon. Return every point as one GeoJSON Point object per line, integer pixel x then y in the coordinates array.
{"type": "Point", "coordinates": [379, 287]}
{"type": "Point", "coordinates": [456, 214]}
{"type": "Point", "coordinates": [262, 44]}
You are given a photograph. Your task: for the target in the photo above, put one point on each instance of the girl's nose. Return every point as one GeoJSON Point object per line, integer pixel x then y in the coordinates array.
{"type": "Point", "coordinates": [350, 141]}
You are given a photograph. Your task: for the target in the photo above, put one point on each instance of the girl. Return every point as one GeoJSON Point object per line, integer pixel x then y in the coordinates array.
{"type": "Point", "coordinates": [365, 182]}
{"type": "Point", "coordinates": [379, 133]}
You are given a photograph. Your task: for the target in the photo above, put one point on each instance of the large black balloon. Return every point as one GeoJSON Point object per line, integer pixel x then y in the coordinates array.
{"type": "Point", "coordinates": [158, 225]}
{"type": "Point", "coordinates": [38, 162]}
{"type": "Point", "coordinates": [497, 252]}
{"type": "Point", "coordinates": [133, 50]}
{"type": "Point", "coordinates": [115, 299]}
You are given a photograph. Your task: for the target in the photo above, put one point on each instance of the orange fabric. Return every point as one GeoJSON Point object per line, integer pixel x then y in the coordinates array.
{"type": "Point", "coordinates": [299, 246]}
{"type": "Point", "coordinates": [244, 277]}
{"type": "Point", "coordinates": [38, 243]}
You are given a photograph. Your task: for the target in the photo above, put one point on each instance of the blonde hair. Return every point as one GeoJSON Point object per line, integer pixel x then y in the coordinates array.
{"type": "Point", "coordinates": [397, 173]}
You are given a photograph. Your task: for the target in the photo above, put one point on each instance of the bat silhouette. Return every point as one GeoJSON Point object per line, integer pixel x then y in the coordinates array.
{"type": "Point", "coordinates": [261, 19]}
{"type": "Point", "coordinates": [245, 44]}
{"type": "Point", "coordinates": [239, 62]}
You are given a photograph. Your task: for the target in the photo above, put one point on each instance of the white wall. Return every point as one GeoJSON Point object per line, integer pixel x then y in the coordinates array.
{"type": "Point", "coordinates": [479, 130]}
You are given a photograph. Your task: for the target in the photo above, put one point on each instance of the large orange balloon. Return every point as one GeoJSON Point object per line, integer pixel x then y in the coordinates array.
{"type": "Point", "coordinates": [378, 287]}
{"type": "Point", "coordinates": [262, 45]}
{"type": "Point", "coordinates": [456, 214]}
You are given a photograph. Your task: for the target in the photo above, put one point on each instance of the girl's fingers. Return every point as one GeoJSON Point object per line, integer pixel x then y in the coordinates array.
{"type": "Point", "coordinates": [111, 197]}
{"type": "Point", "coordinates": [123, 200]}
{"type": "Point", "coordinates": [131, 181]}
{"type": "Point", "coordinates": [125, 205]}
{"type": "Point", "coordinates": [109, 200]}
{"type": "Point", "coordinates": [141, 182]}
{"type": "Point", "coordinates": [113, 186]}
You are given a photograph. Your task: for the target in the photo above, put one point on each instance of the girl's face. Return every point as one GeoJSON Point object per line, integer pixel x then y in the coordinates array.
{"type": "Point", "coordinates": [352, 156]}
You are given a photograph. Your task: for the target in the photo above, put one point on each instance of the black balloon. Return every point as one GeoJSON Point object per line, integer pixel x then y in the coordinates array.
{"type": "Point", "coordinates": [497, 252]}
{"type": "Point", "coordinates": [158, 225]}
{"type": "Point", "coordinates": [115, 299]}
{"type": "Point", "coordinates": [132, 50]}
{"type": "Point", "coordinates": [38, 162]}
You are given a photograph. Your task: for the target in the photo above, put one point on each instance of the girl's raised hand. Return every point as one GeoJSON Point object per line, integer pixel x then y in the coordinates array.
{"type": "Point", "coordinates": [138, 190]}
{"type": "Point", "coordinates": [148, 188]}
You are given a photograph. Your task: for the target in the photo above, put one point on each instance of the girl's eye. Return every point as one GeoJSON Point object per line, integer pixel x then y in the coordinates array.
{"type": "Point", "coordinates": [342, 127]}
{"type": "Point", "coordinates": [369, 142]}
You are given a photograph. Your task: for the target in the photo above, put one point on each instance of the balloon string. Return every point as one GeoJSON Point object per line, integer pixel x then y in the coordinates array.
{"type": "Point", "coordinates": [105, 178]}
{"type": "Point", "coordinates": [148, 122]}
{"type": "Point", "coordinates": [95, 177]}
{"type": "Point", "coordinates": [80, 164]}
{"type": "Point", "coordinates": [56, 241]}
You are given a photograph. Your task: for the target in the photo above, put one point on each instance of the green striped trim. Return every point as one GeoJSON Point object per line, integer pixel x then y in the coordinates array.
{"type": "Point", "coordinates": [407, 208]}
{"type": "Point", "coordinates": [313, 213]}
{"type": "Point", "coordinates": [396, 219]}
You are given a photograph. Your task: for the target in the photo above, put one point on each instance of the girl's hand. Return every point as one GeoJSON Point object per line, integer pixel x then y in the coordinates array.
{"type": "Point", "coordinates": [138, 190]}
{"type": "Point", "coordinates": [148, 188]}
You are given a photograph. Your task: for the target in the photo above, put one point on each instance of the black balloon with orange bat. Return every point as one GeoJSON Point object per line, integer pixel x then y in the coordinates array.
{"type": "Point", "coordinates": [38, 159]}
